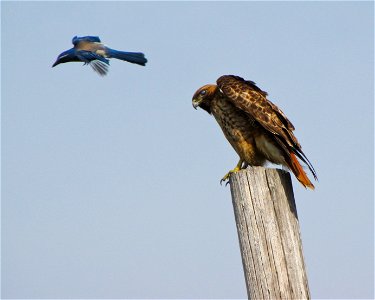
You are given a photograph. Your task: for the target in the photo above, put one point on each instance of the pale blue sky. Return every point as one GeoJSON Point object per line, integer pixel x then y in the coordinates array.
{"type": "Point", "coordinates": [110, 186]}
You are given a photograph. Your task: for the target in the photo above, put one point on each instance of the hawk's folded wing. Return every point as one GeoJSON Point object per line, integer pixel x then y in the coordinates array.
{"type": "Point", "coordinates": [248, 97]}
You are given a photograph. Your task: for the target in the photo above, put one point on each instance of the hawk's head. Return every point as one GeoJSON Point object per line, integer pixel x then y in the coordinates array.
{"type": "Point", "coordinates": [203, 97]}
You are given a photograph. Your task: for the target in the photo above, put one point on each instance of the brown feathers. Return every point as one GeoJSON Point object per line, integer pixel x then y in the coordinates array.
{"type": "Point", "coordinates": [255, 127]}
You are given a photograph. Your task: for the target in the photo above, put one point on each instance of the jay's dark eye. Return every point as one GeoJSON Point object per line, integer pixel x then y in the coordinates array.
{"type": "Point", "coordinates": [203, 92]}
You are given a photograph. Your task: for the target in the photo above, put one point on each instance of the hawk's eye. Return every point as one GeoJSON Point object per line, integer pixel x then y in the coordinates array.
{"type": "Point", "coordinates": [203, 92]}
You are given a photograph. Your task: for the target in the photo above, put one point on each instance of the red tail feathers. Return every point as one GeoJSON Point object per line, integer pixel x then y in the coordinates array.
{"type": "Point", "coordinates": [298, 171]}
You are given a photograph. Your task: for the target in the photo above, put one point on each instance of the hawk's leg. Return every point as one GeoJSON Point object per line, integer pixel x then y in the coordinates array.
{"type": "Point", "coordinates": [236, 169]}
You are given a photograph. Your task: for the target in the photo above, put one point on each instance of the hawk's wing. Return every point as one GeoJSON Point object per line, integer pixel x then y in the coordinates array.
{"type": "Point", "coordinates": [252, 100]}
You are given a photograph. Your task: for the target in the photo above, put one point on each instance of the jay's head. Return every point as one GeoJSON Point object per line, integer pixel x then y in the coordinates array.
{"type": "Point", "coordinates": [66, 56]}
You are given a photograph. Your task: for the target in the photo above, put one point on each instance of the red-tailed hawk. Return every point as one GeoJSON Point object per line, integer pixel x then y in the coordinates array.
{"type": "Point", "coordinates": [255, 127]}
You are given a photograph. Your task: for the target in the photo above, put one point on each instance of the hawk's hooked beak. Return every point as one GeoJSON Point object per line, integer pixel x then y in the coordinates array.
{"type": "Point", "coordinates": [196, 103]}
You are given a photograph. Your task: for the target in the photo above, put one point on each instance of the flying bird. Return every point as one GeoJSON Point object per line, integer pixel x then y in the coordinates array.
{"type": "Point", "coordinates": [91, 51]}
{"type": "Point", "coordinates": [255, 127]}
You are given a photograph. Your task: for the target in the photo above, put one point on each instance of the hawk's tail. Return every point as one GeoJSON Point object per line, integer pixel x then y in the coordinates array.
{"type": "Point", "coordinates": [298, 171]}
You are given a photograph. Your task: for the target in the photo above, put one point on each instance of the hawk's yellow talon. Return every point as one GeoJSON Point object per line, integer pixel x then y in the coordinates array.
{"type": "Point", "coordinates": [236, 169]}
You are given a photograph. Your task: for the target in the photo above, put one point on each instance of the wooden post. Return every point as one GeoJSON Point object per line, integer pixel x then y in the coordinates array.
{"type": "Point", "coordinates": [268, 232]}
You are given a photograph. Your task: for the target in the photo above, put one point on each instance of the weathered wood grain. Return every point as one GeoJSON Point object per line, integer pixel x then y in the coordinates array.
{"type": "Point", "coordinates": [269, 235]}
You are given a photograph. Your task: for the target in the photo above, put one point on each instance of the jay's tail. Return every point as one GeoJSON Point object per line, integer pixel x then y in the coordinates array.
{"type": "Point", "coordinates": [132, 57]}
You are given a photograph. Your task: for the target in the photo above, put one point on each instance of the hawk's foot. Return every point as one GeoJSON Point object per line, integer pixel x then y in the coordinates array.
{"type": "Point", "coordinates": [236, 169]}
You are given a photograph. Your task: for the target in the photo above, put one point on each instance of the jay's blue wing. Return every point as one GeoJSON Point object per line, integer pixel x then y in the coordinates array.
{"type": "Point", "coordinates": [91, 39]}
{"type": "Point", "coordinates": [97, 62]}
{"type": "Point", "coordinates": [87, 57]}
{"type": "Point", "coordinates": [99, 67]}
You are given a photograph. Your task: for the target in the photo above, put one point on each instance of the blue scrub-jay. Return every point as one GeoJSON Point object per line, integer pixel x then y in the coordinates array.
{"type": "Point", "coordinates": [90, 50]}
